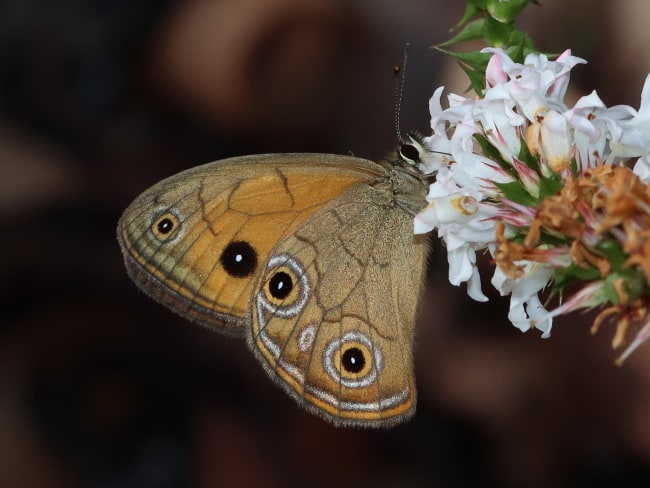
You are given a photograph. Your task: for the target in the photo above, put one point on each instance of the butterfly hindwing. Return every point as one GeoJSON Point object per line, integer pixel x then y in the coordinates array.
{"type": "Point", "coordinates": [340, 340]}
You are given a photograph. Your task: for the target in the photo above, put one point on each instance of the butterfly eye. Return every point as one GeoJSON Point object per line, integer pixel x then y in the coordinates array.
{"type": "Point", "coordinates": [166, 226]}
{"type": "Point", "coordinates": [352, 360]}
{"type": "Point", "coordinates": [409, 153]}
{"type": "Point", "coordinates": [285, 289]}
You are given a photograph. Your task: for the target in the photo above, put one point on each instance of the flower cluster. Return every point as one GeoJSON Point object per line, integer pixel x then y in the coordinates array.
{"type": "Point", "coordinates": [544, 188]}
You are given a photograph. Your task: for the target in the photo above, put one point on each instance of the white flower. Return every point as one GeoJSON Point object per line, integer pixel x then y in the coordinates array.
{"type": "Point", "coordinates": [537, 85]}
{"type": "Point", "coordinates": [526, 310]}
{"type": "Point", "coordinates": [465, 224]}
{"type": "Point", "coordinates": [634, 137]}
{"type": "Point", "coordinates": [522, 107]}
{"type": "Point", "coordinates": [551, 140]}
{"type": "Point", "coordinates": [500, 122]}
{"type": "Point", "coordinates": [642, 169]}
{"type": "Point", "coordinates": [588, 130]}
{"type": "Point", "coordinates": [589, 296]}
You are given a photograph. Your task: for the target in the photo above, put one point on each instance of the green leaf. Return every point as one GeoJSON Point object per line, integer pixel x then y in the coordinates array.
{"type": "Point", "coordinates": [553, 240]}
{"type": "Point", "coordinates": [470, 11]}
{"type": "Point", "coordinates": [491, 152]}
{"type": "Point", "coordinates": [520, 46]}
{"type": "Point", "coordinates": [635, 284]}
{"type": "Point", "coordinates": [476, 78]}
{"type": "Point", "coordinates": [613, 251]}
{"type": "Point", "coordinates": [475, 59]}
{"type": "Point", "coordinates": [633, 277]}
{"type": "Point", "coordinates": [517, 192]}
{"type": "Point", "coordinates": [505, 11]}
{"type": "Point", "coordinates": [523, 45]}
{"type": "Point", "coordinates": [574, 273]}
{"type": "Point", "coordinates": [496, 33]}
{"type": "Point", "coordinates": [526, 157]}
{"type": "Point", "coordinates": [549, 185]}
{"type": "Point", "coordinates": [471, 32]}
{"type": "Point", "coordinates": [610, 289]}
{"type": "Point", "coordinates": [474, 64]}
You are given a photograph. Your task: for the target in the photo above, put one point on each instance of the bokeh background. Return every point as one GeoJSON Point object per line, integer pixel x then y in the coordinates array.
{"type": "Point", "coordinates": [101, 387]}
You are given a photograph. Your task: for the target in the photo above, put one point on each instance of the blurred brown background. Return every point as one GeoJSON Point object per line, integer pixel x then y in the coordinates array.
{"type": "Point", "coordinates": [101, 387]}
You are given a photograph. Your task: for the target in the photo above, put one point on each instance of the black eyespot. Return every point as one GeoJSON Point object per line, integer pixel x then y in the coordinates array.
{"type": "Point", "coordinates": [353, 360]}
{"type": "Point", "coordinates": [285, 287]}
{"type": "Point", "coordinates": [280, 285]}
{"type": "Point", "coordinates": [166, 226]}
{"type": "Point", "coordinates": [409, 152]}
{"type": "Point", "coordinates": [239, 259]}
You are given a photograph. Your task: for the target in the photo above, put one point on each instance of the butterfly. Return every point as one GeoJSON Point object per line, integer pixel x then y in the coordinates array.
{"type": "Point", "coordinates": [309, 257]}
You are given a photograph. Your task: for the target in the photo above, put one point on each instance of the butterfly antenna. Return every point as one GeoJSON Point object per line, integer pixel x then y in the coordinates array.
{"type": "Point", "coordinates": [400, 82]}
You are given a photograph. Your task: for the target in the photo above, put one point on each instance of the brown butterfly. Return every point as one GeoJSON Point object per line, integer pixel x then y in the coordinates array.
{"type": "Point", "coordinates": [310, 257]}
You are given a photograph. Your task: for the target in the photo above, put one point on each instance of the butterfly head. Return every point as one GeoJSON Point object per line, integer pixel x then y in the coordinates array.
{"type": "Point", "coordinates": [411, 149]}
{"type": "Point", "coordinates": [410, 155]}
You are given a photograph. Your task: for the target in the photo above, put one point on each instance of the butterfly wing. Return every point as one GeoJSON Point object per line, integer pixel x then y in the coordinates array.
{"type": "Point", "coordinates": [312, 257]}
{"type": "Point", "coordinates": [198, 241]}
{"type": "Point", "coordinates": [334, 313]}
